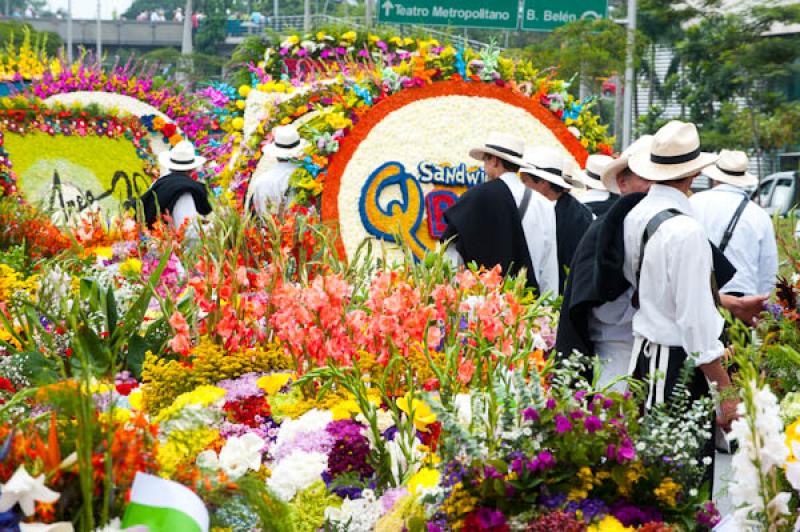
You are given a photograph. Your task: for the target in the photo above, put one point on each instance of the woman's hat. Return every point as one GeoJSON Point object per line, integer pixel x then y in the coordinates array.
{"type": "Point", "coordinates": [612, 170]}
{"type": "Point", "coordinates": [286, 143]}
{"type": "Point", "coordinates": [503, 146]}
{"type": "Point", "coordinates": [590, 177]}
{"type": "Point", "coordinates": [181, 157]}
{"type": "Point", "coordinates": [731, 168]}
{"type": "Point", "coordinates": [675, 154]}
{"type": "Point", "coordinates": [547, 163]}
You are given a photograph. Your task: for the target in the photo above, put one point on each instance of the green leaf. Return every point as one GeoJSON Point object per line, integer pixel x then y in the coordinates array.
{"type": "Point", "coordinates": [39, 369]}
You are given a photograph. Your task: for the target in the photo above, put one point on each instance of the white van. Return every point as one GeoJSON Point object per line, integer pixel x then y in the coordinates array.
{"type": "Point", "coordinates": [777, 193]}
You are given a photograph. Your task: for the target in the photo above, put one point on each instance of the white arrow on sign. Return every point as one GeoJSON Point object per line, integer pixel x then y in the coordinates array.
{"type": "Point", "coordinates": [591, 14]}
{"type": "Point", "coordinates": [387, 7]}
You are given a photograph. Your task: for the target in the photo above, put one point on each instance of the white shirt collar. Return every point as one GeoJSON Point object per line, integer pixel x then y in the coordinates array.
{"type": "Point", "coordinates": [671, 194]}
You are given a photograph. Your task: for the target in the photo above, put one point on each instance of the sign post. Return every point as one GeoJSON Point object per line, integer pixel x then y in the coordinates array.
{"type": "Point", "coordinates": [498, 14]}
{"type": "Point", "coordinates": [547, 15]}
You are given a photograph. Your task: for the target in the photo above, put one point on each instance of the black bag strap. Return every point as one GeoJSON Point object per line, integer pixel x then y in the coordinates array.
{"type": "Point", "coordinates": [526, 201]}
{"type": "Point", "coordinates": [726, 238]}
{"type": "Point", "coordinates": [651, 228]}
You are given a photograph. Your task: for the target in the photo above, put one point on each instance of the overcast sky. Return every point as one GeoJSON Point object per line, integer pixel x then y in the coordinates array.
{"type": "Point", "coordinates": [88, 8]}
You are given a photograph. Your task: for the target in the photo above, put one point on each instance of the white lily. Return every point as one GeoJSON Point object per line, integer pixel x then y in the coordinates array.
{"type": "Point", "coordinates": [24, 490]}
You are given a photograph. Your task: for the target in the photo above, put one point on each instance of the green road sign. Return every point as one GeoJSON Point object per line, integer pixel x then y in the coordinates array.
{"type": "Point", "coordinates": [547, 15]}
{"type": "Point", "coordinates": [499, 14]}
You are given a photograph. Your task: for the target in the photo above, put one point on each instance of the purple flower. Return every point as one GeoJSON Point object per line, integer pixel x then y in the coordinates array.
{"type": "Point", "coordinates": [592, 424]}
{"type": "Point", "coordinates": [553, 501]}
{"type": "Point", "coordinates": [708, 515]}
{"type": "Point", "coordinates": [580, 395]}
{"type": "Point", "coordinates": [382, 45]}
{"type": "Point", "coordinates": [241, 388]}
{"type": "Point", "coordinates": [577, 414]}
{"type": "Point", "coordinates": [611, 451]}
{"type": "Point", "coordinates": [488, 519]}
{"type": "Point", "coordinates": [530, 414]}
{"type": "Point", "coordinates": [562, 424]}
{"type": "Point", "coordinates": [608, 403]}
{"type": "Point", "coordinates": [589, 509]}
{"type": "Point", "coordinates": [551, 404]}
{"type": "Point", "coordinates": [391, 496]}
{"type": "Point", "coordinates": [546, 459]}
{"type": "Point", "coordinates": [363, 53]}
{"type": "Point", "coordinates": [630, 515]}
{"type": "Point", "coordinates": [626, 452]}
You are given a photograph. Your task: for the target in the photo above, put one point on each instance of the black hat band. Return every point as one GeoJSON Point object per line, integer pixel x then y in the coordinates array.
{"type": "Point", "coordinates": [288, 146]}
{"type": "Point", "coordinates": [675, 159]}
{"type": "Point", "coordinates": [506, 151]}
{"type": "Point", "coordinates": [736, 173]}
{"type": "Point", "coordinates": [592, 174]}
{"type": "Point", "coordinates": [555, 171]}
{"type": "Point", "coordinates": [176, 161]}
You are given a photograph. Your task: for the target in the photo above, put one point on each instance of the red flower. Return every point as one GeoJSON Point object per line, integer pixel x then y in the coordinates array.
{"type": "Point", "coordinates": [169, 129]}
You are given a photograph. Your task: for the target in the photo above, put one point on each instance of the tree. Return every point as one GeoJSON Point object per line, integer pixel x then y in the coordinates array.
{"type": "Point", "coordinates": [728, 58]}
{"type": "Point", "coordinates": [587, 50]}
{"type": "Point", "coordinates": [140, 6]}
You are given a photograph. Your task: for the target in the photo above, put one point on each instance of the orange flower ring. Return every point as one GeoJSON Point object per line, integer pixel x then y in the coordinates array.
{"type": "Point", "coordinates": [349, 144]}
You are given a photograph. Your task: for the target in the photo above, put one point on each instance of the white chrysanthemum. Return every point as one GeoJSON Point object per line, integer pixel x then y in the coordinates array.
{"type": "Point", "coordinates": [295, 473]}
{"type": "Point", "coordinates": [358, 515]}
{"type": "Point", "coordinates": [240, 454]}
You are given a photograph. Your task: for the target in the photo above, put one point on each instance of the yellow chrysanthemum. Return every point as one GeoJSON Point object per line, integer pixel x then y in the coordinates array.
{"type": "Point", "coordinates": [132, 266]}
{"type": "Point", "coordinates": [271, 384]}
{"type": "Point", "coordinates": [425, 478]}
{"type": "Point", "coordinates": [667, 492]}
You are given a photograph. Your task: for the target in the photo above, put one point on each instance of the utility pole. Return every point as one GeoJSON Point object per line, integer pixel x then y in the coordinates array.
{"type": "Point", "coordinates": [69, 31]}
{"type": "Point", "coordinates": [186, 43]}
{"type": "Point", "coordinates": [277, 11]}
{"type": "Point", "coordinates": [368, 13]}
{"type": "Point", "coordinates": [629, 85]}
{"type": "Point", "coordinates": [307, 16]}
{"type": "Point", "coordinates": [99, 35]}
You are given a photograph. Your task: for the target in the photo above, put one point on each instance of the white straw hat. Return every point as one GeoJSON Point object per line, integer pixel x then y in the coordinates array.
{"type": "Point", "coordinates": [612, 170]}
{"type": "Point", "coordinates": [675, 154]}
{"type": "Point", "coordinates": [595, 165]}
{"type": "Point", "coordinates": [286, 143]}
{"type": "Point", "coordinates": [181, 157]}
{"type": "Point", "coordinates": [506, 147]}
{"type": "Point", "coordinates": [547, 163]}
{"type": "Point", "coordinates": [731, 168]}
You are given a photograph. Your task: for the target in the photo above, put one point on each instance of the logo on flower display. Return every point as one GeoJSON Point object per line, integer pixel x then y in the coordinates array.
{"type": "Point", "coordinates": [387, 217]}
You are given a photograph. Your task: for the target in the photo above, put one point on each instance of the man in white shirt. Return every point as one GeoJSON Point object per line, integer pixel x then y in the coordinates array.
{"type": "Point", "coordinates": [176, 193]}
{"type": "Point", "coordinates": [668, 259]}
{"type": "Point", "coordinates": [270, 191]}
{"type": "Point", "coordinates": [739, 227]}
{"type": "Point", "coordinates": [504, 222]}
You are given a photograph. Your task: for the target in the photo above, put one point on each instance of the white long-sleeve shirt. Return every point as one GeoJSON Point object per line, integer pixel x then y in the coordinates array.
{"type": "Point", "coordinates": [271, 189]}
{"type": "Point", "coordinates": [751, 249]}
{"type": "Point", "coordinates": [184, 210]}
{"type": "Point", "coordinates": [676, 305]}
{"type": "Point", "coordinates": [594, 194]}
{"type": "Point", "coordinates": [539, 228]}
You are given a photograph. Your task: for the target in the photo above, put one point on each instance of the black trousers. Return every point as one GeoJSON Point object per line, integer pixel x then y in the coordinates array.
{"type": "Point", "coordinates": [698, 387]}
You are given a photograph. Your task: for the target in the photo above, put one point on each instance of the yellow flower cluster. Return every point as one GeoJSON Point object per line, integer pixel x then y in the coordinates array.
{"type": "Point", "coordinates": [205, 395]}
{"type": "Point", "coordinates": [167, 379]}
{"type": "Point", "coordinates": [459, 505]}
{"type": "Point", "coordinates": [609, 524]}
{"type": "Point", "coordinates": [29, 61]}
{"type": "Point", "coordinates": [632, 475]}
{"type": "Point", "coordinates": [12, 282]}
{"type": "Point", "coordinates": [425, 478]}
{"type": "Point", "coordinates": [792, 435]}
{"type": "Point", "coordinates": [587, 483]}
{"type": "Point", "coordinates": [182, 446]}
{"type": "Point", "coordinates": [667, 491]}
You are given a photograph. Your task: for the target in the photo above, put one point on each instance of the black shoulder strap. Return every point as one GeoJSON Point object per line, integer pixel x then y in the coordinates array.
{"type": "Point", "coordinates": [649, 231]}
{"type": "Point", "coordinates": [726, 238]}
{"type": "Point", "coordinates": [526, 200]}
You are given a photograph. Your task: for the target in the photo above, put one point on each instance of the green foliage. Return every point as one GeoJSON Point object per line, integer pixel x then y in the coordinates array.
{"type": "Point", "coordinates": [588, 49]}
{"type": "Point", "coordinates": [139, 6]}
{"type": "Point", "coordinates": [12, 31]}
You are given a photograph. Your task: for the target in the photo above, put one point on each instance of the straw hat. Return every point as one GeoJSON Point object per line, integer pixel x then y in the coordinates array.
{"type": "Point", "coordinates": [286, 143]}
{"type": "Point", "coordinates": [547, 163]}
{"type": "Point", "coordinates": [181, 157]}
{"type": "Point", "coordinates": [590, 177]}
{"type": "Point", "coordinates": [675, 154]}
{"type": "Point", "coordinates": [731, 168]}
{"type": "Point", "coordinates": [506, 147]}
{"type": "Point", "coordinates": [612, 170]}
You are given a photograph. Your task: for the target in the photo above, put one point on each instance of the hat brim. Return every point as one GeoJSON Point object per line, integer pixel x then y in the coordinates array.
{"type": "Point", "coordinates": [609, 176]}
{"type": "Point", "coordinates": [744, 181]}
{"type": "Point", "coordinates": [165, 162]}
{"type": "Point", "coordinates": [547, 176]}
{"type": "Point", "coordinates": [285, 153]}
{"type": "Point", "coordinates": [479, 153]}
{"type": "Point", "coordinates": [588, 181]}
{"type": "Point", "coordinates": [642, 166]}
